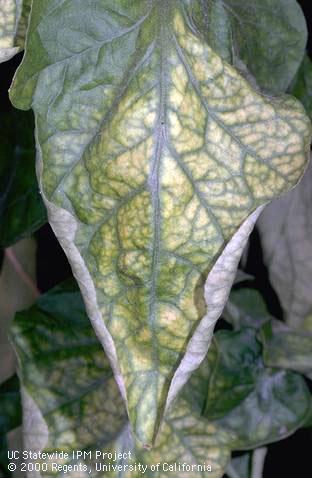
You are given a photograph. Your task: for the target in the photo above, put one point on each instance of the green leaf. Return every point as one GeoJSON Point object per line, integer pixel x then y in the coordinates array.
{"type": "Point", "coordinates": [13, 25]}
{"type": "Point", "coordinates": [71, 401]}
{"type": "Point", "coordinates": [22, 210]}
{"type": "Point", "coordinates": [246, 308]}
{"type": "Point", "coordinates": [23, 24]}
{"type": "Point", "coordinates": [152, 154]}
{"type": "Point", "coordinates": [276, 407]}
{"type": "Point", "coordinates": [285, 229]}
{"type": "Point", "coordinates": [274, 410]}
{"type": "Point", "coordinates": [286, 347]}
{"type": "Point", "coordinates": [233, 362]}
{"type": "Point", "coordinates": [301, 86]}
{"type": "Point", "coordinates": [269, 37]}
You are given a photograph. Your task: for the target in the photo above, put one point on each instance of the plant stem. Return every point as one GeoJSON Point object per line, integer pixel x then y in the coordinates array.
{"type": "Point", "coordinates": [10, 254]}
{"type": "Point", "coordinates": [231, 472]}
{"type": "Point", "coordinates": [258, 458]}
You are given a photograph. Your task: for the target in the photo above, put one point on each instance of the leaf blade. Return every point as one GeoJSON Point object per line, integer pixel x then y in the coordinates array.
{"type": "Point", "coordinates": [128, 185]}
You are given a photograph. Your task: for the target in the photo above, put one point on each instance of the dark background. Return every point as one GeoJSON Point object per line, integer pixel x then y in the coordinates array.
{"type": "Point", "coordinates": [288, 458]}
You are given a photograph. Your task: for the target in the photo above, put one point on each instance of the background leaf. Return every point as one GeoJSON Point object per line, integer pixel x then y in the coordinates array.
{"type": "Point", "coordinates": [246, 308]}
{"type": "Point", "coordinates": [276, 406]}
{"type": "Point", "coordinates": [269, 37]}
{"type": "Point", "coordinates": [301, 86]}
{"type": "Point", "coordinates": [233, 361]}
{"type": "Point", "coordinates": [286, 229]}
{"type": "Point", "coordinates": [286, 347]}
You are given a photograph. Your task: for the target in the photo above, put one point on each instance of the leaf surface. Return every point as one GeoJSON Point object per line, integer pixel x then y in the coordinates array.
{"type": "Point", "coordinates": [286, 228]}
{"type": "Point", "coordinates": [152, 153]}
{"type": "Point", "coordinates": [286, 347]}
{"type": "Point", "coordinates": [71, 401]}
{"type": "Point", "coordinates": [275, 407]}
{"type": "Point", "coordinates": [246, 308]}
{"type": "Point", "coordinates": [8, 26]}
{"type": "Point", "coordinates": [268, 37]}
{"type": "Point", "coordinates": [14, 16]}
{"type": "Point", "coordinates": [233, 363]}
{"type": "Point", "coordinates": [23, 23]}
{"type": "Point", "coordinates": [301, 86]}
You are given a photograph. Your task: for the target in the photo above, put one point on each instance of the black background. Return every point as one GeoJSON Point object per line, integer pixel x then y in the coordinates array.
{"type": "Point", "coordinates": [288, 458]}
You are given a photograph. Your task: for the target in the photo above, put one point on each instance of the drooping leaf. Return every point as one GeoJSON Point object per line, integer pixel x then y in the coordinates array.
{"type": "Point", "coordinates": [286, 230]}
{"type": "Point", "coordinates": [269, 37]}
{"type": "Point", "coordinates": [71, 401]}
{"type": "Point", "coordinates": [286, 347]}
{"type": "Point", "coordinates": [246, 308]}
{"type": "Point", "coordinates": [301, 86]}
{"type": "Point", "coordinates": [13, 25]}
{"type": "Point", "coordinates": [152, 152]}
{"type": "Point", "coordinates": [21, 208]}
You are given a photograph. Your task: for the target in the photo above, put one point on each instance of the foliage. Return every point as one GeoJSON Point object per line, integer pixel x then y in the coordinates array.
{"type": "Point", "coordinates": [162, 130]}
{"type": "Point", "coordinates": [143, 226]}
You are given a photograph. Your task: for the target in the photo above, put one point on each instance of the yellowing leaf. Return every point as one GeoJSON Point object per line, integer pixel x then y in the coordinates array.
{"type": "Point", "coordinates": [8, 22]}
{"type": "Point", "coordinates": [152, 154]}
{"type": "Point", "coordinates": [13, 25]}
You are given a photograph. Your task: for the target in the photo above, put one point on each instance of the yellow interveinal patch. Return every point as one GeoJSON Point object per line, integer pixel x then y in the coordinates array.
{"type": "Point", "coordinates": [8, 28]}
{"type": "Point", "coordinates": [168, 174]}
{"type": "Point", "coordinates": [213, 171]}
